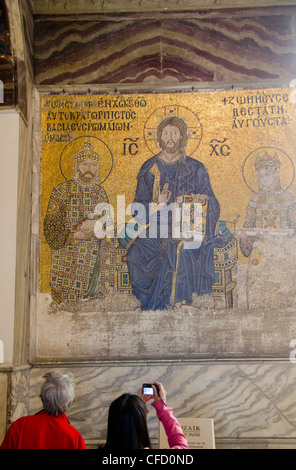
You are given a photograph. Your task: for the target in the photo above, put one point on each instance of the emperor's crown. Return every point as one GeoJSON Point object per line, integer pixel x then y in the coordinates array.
{"type": "Point", "coordinates": [87, 153]}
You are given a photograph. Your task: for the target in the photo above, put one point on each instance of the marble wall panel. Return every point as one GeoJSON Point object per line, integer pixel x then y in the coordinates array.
{"type": "Point", "coordinates": [246, 400]}
{"type": "Point", "coordinates": [172, 48]}
{"type": "Point", "coordinates": [19, 393]}
{"type": "Point", "coordinates": [3, 404]}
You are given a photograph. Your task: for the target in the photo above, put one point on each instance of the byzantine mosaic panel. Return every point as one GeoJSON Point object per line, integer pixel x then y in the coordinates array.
{"type": "Point", "coordinates": [233, 134]}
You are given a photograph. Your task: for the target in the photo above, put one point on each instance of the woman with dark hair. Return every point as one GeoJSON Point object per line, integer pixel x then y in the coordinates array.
{"type": "Point", "coordinates": [127, 422]}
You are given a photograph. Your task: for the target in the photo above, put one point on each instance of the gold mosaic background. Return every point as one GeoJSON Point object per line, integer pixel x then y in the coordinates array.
{"type": "Point", "coordinates": [226, 130]}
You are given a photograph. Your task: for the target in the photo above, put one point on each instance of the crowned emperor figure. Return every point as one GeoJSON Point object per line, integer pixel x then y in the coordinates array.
{"type": "Point", "coordinates": [80, 267]}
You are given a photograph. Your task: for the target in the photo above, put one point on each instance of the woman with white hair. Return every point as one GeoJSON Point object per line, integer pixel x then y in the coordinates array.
{"type": "Point", "coordinates": [49, 428]}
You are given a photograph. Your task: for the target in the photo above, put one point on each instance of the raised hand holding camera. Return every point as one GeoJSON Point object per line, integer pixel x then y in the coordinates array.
{"type": "Point", "coordinates": [153, 390]}
{"type": "Point", "coordinates": [160, 393]}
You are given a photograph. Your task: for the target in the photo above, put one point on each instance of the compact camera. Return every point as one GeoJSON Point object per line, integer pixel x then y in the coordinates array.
{"type": "Point", "coordinates": [147, 389]}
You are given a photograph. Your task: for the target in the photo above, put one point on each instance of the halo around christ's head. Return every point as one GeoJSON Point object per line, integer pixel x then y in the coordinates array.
{"type": "Point", "coordinates": [192, 122]}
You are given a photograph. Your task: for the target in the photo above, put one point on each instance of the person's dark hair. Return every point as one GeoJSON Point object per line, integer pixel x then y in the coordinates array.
{"type": "Point", "coordinates": [173, 121]}
{"type": "Point", "coordinates": [127, 424]}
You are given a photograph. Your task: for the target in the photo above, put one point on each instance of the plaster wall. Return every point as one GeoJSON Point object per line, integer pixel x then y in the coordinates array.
{"type": "Point", "coordinates": [9, 154]}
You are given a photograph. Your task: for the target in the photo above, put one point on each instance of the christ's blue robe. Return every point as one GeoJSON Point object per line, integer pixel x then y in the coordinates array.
{"type": "Point", "coordinates": [152, 261]}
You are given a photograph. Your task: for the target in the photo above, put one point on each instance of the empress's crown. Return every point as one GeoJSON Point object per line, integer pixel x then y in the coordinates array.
{"type": "Point", "coordinates": [87, 153]}
{"type": "Point", "coordinates": [267, 162]}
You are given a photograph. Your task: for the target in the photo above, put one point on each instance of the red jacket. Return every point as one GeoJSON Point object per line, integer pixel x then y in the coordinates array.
{"type": "Point", "coordinates": [43, 431]}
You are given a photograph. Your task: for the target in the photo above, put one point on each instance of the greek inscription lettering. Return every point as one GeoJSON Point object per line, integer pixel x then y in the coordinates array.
{"type": "Point", "coordinates": [274, 121]}
{"type": "Point", "coordinates": [130, 146]}
{"type": "Point", "coordinates": [66, 117]}
{"type": "Point", "coordinates": [219, 148]}
{"type": "Point", "coordinates": [259, 110]}
{"type": "Point", "coordinates": [257, 98]}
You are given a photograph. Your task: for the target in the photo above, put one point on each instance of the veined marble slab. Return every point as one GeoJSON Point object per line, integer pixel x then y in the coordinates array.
{"type": "Point", "coordinates": [246, 400]}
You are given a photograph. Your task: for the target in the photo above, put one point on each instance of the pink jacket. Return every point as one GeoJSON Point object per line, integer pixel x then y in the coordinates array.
{"type": "Point", "coordinates": [172, 427]}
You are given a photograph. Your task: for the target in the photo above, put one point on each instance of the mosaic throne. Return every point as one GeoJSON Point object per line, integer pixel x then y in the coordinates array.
{"type": "Point", "coordinates": [225, 259]}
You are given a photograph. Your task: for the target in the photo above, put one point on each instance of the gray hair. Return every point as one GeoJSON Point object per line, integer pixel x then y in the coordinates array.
{"type": "Point", "coordinates": [57, 392]}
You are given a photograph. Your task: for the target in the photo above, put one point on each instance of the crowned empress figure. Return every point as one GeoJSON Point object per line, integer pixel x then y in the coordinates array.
{"type": "Point", "coordinates": [272, 207]}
